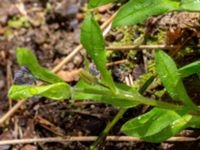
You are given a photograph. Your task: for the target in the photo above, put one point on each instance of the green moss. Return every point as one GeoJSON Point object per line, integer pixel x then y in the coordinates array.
{"type": "Point", "coordinates": [8, 32]}
{"type": "Point", "coordinates": [185, 51]}
{"type": "Point", "coordinates": [20, 22]}
{"type": "Point", "coordinates": [132, 35]}
{"type": "Point", "coordinates": [158, 38]}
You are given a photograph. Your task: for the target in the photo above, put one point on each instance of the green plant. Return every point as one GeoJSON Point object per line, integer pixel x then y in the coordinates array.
{"type": "Point", "coordinates": [164, 120]}
{"type": "Point", "coordinates": [18, 22]}
{"type": "Point", "coordinates": [136, 11]}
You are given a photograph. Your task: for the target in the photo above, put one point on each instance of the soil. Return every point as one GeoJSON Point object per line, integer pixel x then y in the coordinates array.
{"type": "Point", "coordinates": [51, 29]}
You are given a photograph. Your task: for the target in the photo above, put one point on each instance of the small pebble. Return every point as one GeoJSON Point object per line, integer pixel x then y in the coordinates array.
{"type": "Point", "coordinates": [78, 60]}
{"type": "Point", "coordinates": [92, 106]}
{"type": "Point", "coordinates": [119, 36]}
{"type": "Point", "coordinates": [79, 16]}
{"type": "Point", "coordinates": [104, 8]}
{"type": "Point", "coordinates": [70, 66]}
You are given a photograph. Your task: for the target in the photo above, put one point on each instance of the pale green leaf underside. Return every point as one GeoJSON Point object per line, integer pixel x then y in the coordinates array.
{"type": "Point", "coordinates": [190, 5]}
{"type": "Point", "coordinates": [56, 91]}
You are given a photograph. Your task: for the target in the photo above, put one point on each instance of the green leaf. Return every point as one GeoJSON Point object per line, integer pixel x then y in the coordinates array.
{"type": "Point", "coordinates": [26, 58]}
{"type": "Point", "coordinates": [168, 73]}
{"type": "Point", "coordinates": [194, 122]}
{"type": "Point", "coordinates": [150, 123]}
{"type": "Point", "coordinates": [96, 3]}
{"type": "Point", "coordinates": [162, 122]}
{"type": "Point", "coordinates": [190, 5]}
{"type": "Point", "coordinates": [124, 103]}
{"type": "Point", "coordinates": [174, 128]}
{"type": "Point", "coordinates": [136, 11]}
{"type": "Point", "coordinates": [56, 91]}
{"type": "Point", "coordinates": [93, 42]}
{"type": "Point", "coordinates": [192, 68]}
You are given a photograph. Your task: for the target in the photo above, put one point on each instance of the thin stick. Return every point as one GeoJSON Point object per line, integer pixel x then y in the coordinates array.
{"type": "Point", "coordinates": [89, 139]}
{"type": "Point", "coordinates": [55, 69]}
{"type": "Point", "coordinates": [141, 47]}
{"type": "Point", "coordinates": [9, 79]}
{"type": "Point", "coordinates": [12, 111]}
{"type": "Point", "coordinates": [116, 62]}
{"type": "Point", "coordinates": [67, 59]}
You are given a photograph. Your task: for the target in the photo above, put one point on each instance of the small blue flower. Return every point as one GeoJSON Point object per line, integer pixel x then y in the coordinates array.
{"type": "Point", "coordinates": [23, 76]}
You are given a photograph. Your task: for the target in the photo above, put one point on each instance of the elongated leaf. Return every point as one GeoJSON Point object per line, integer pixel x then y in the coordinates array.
{"type": "Point", "coordinates": [174, 128]}
{"type": "Point", "coordinates": [93, 42]}
{"type": "Point", "coordinates": [96, 3]}
{"type": "Point", "coordinates": [150, 123]}
{"type": "Point", "coordinates": [124, 103]}
{"type": "Point", "coordinates": [136, 11]}
{"type": "Point", "coordinates": [192, 68]}
{"type": "Point", "coordinates": [26, 58]}
{"type": "Point", "coordinates": [194, 122]}
{"type": "Point", "coordinates": [156, 125]}
{"type": "Point", "coordinates": [56, 91]}
{"type": "Point", "coordinates": [170, 78]}
{"type": "Point", "coordinates": [190, 5]}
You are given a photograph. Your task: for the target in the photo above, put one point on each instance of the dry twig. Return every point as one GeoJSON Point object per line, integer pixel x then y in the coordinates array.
{"type": "Point", "coordinates": [116, 62]}
{"type": "Point", "coordinates": [141, 47]}
{"type": "Point", "coordinates": [90, 139]}
{"type": "Point", "coordinates": [9, 79]}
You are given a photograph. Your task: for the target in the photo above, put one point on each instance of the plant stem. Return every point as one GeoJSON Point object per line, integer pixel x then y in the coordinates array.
{"type": "Point", "coordinates": [109, 126]}
{"type": "Point", "coordinates": [143, 100]}
{"type": "Point", "coordinates": [119, 115]}
{"type": "Point", "coordinates": [132, 98]}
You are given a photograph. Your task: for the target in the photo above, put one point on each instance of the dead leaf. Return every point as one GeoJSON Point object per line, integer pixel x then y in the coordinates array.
{"type": "Point", "coordinates": [29, 147]}
{"type": "Point", "coordinates": [173, 36]}
{"type": "Point", "coordinates": [70, 76]}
